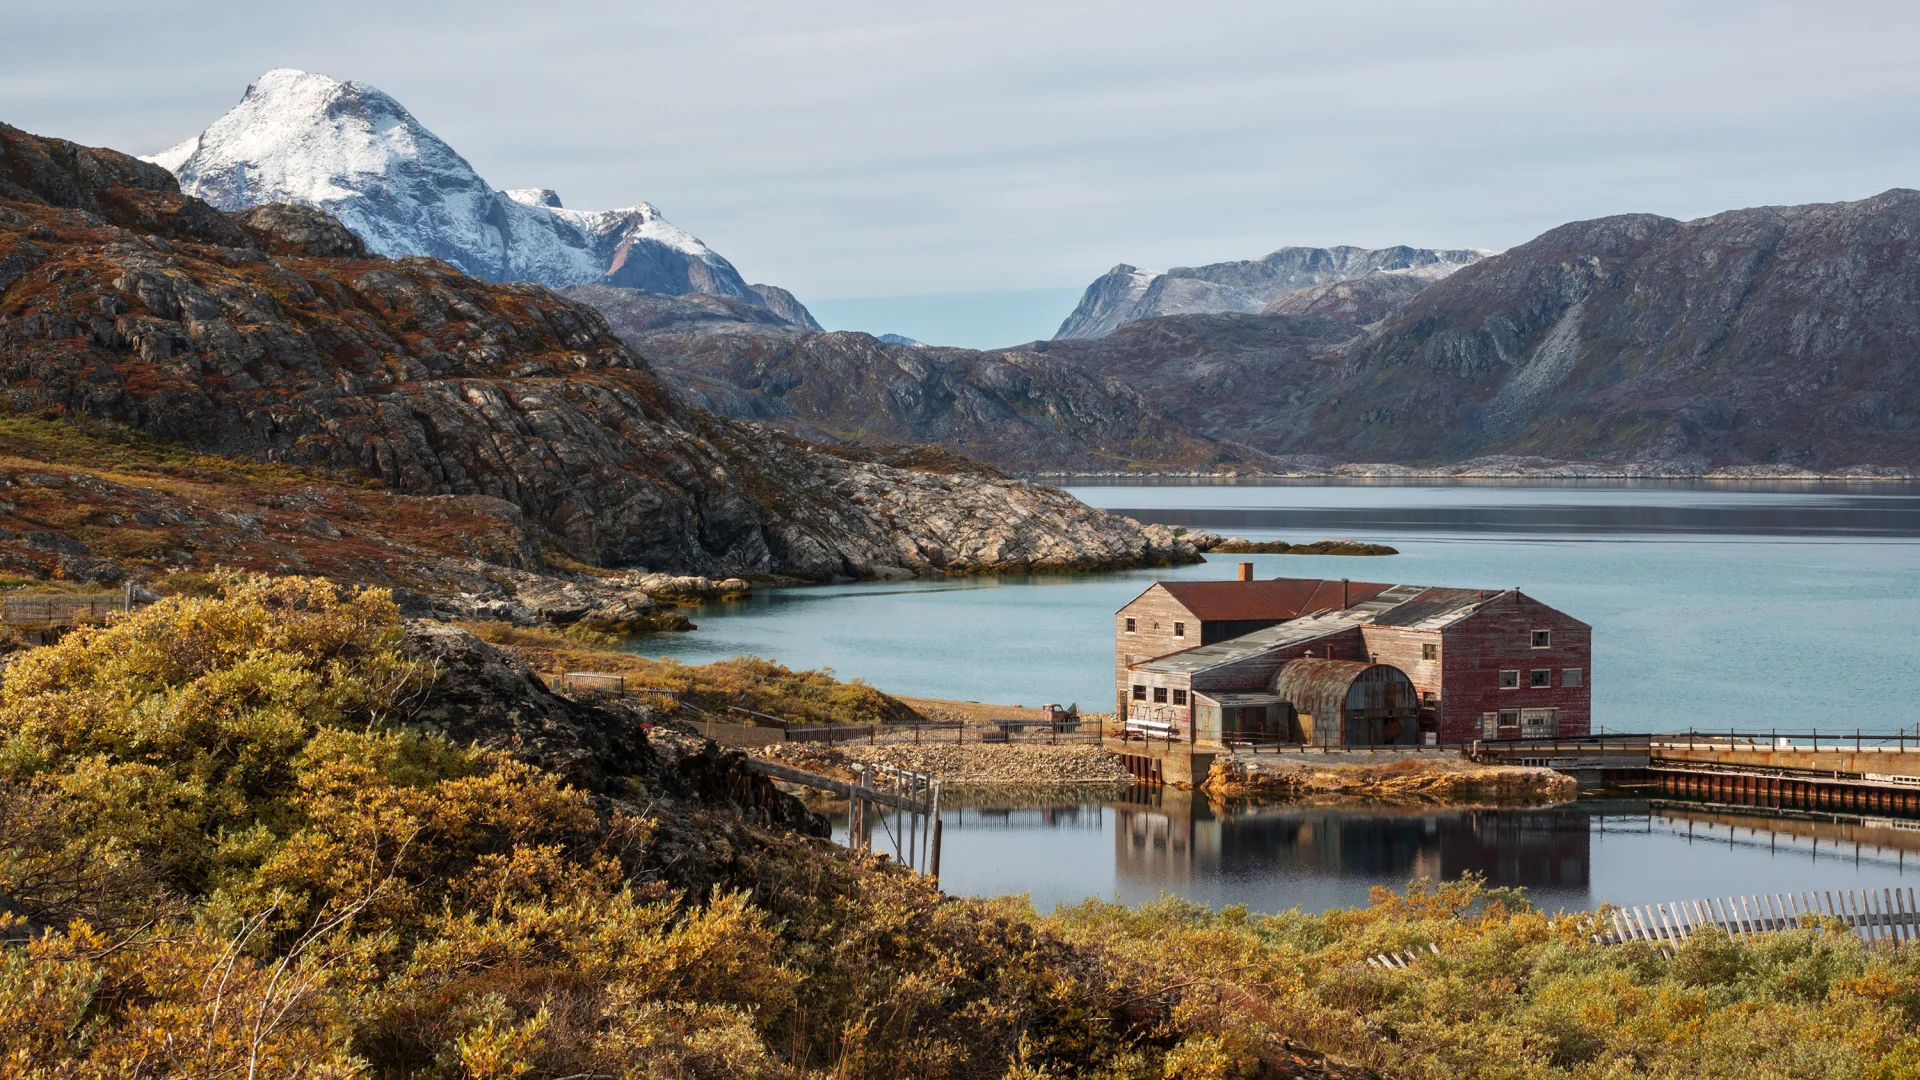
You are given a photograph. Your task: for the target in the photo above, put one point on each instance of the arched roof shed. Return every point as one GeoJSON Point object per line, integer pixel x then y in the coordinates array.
{"type": "Point", "coordinates": [1351, 703]}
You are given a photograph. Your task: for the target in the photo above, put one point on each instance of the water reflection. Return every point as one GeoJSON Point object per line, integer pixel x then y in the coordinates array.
{"type": "Point", "coordinates": [1165, 837]}
{"type": "Point", "coordinates": [1135, 844]}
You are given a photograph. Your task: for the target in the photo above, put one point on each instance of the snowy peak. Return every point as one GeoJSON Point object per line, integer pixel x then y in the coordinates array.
{"type": "Point", "coordinates": [1126, 293]}
{"type": "Point", "coordinates": [534, 196]}
{"type": "Point", "coordinates": [353, 151]}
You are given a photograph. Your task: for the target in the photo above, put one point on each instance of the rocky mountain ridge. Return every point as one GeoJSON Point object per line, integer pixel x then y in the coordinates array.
{"type": "Point", "coordinates": [1774, 337]}
{"type": "Point", "coordinates": [1021, 409]}
{"type": "Point", "coordinates": [272, 336]}
{"type": "Point", "coordinates": [1772, 341]}
{"type": "Point", "coordinates": [1127, 293]}
{"type": "Point", "coordinates": [350, 150]}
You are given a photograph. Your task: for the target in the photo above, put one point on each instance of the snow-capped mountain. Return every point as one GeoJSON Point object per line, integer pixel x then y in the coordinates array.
{"type": "Point", "coordinates": [1126, 293]}
{"type": "Point", "coordinates": [356, 153]}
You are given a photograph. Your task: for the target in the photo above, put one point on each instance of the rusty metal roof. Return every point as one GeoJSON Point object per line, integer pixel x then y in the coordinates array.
{"type": "Point", "coordinates": [1280, 598]}
{"type": "Point", "coordinates": [1432, 609]}
{"type": "Point", "coordinates": [1235, 700]}
{"type": "Point", "coordinates": [1246, 645]}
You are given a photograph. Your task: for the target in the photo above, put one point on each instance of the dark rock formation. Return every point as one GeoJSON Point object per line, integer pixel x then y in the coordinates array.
{"type": "Point", "coordinates": [153, 310]}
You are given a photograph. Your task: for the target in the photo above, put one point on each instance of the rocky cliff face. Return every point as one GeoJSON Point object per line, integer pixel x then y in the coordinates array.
{"type": "Point", "coordinates": [1781, 336]}
{"type": "Point", "coordinates": [354, 152]}
{"type": "Point", "coordinates": [1126, 293]}
{"type": "Point", "coordinates": [1019, 409]}
{"type": "Point", "coordinates": [1357, 302]}
{"type": "Point", "coordinates": [269, 337]}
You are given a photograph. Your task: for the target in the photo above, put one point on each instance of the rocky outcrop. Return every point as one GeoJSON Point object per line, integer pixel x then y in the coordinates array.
{"type": "Point", "coordinates": [348, 149]}
{"type": "Point", "coordinates": [1127, 293]}
{"type": "Point", "coordinates": [617, 749]}
{"type": "Point", "coordinates": [151, 310]}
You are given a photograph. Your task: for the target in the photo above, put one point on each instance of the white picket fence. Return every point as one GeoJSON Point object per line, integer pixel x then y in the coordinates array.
{"type": "Point", "coordinates": [1879, 916]}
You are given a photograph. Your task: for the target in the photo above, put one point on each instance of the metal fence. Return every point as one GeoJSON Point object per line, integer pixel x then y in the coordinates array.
{"type": "Point", "coordinates": [60, 609]}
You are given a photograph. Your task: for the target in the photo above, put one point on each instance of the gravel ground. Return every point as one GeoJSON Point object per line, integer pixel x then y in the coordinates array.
{"type": "Point", "coordinates": [971, 763]}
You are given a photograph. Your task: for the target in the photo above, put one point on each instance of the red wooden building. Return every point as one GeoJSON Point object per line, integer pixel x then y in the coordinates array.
{"type": "Point", "coordinates": [1347, 662]}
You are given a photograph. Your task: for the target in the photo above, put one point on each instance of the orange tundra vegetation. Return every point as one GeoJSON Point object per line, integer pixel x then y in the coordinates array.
{"type": "Point", "coordinates": [233, 847]}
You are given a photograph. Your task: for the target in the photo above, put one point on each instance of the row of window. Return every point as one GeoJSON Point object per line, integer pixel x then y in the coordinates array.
{"type": "Point", "coordinates": [1179, 628]}
{"type": "Point", "coordinates": [1529, 721]}
{"type": "Point", "coordinates": [1539, 678]}
{"type": "Point", "coordinates": [1160, 695]}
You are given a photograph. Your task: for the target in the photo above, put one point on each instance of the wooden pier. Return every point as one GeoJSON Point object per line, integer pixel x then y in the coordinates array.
{"type": "Point", "coordinates": [1811, 770]}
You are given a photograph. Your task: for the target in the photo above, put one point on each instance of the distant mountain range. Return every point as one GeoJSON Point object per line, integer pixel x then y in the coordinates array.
{"type": "Point", "coordinates": [1127, 294]}
{"type": "Point", "coordinates": [1769, 341]}
{"type": "Point", "coordinates": [348, 149]}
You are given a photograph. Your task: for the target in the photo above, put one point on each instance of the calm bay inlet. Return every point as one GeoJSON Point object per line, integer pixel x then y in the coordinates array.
{"type": "Point", "coordinates": [1714, 606]}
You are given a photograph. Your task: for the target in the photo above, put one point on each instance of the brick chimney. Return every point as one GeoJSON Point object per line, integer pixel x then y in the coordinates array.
{"type": "Point", "coordinates": [1343, 595]}
{"type": "Point", "coordinates": [1246, 571]}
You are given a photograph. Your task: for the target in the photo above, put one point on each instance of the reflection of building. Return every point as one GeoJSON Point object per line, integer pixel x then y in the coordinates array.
{"type": "Point", "coordinates": [1164, 837]}
{"type": "Point", "coordinates": [1210, 662]}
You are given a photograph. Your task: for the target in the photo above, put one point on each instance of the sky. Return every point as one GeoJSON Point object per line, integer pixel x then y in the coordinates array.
{"type": "Point", "coordinates": [964, 169]}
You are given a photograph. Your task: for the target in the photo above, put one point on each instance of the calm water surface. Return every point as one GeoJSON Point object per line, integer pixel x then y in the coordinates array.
{"type": "Point", "coordinates": [1712, 605]}
{"type": "Point", "coordinates": [1138, 844]}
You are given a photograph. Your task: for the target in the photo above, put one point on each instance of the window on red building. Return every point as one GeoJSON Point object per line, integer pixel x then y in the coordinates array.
{"type": "Point", "coordinates": [1541, 677]}
{"type": "Point", "coordinates": [1160, 694]}
{"type": "Point", "coordinates": [1570, 677]}
{"type": "Point", "coordinates": [1130, 626]}
{"type": "Point", "coordinates": [1430, 651]}
{"type": "Point", "coordinates": [1543, 639]}
{"type": "Point", "coordinates": [1510, 680]}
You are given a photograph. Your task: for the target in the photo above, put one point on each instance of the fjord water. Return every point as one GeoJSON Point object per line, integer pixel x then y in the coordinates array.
{"type": "Point", "coordinates": [1137, 844]}
{"type": "Point", "coordinates": [1714, 605]}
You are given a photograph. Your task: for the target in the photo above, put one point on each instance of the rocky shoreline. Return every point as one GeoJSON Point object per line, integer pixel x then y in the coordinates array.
{"type": "Point", "coordinates": [1438, 778]}
{"type": "Point", "coordinates": [1517, 469]}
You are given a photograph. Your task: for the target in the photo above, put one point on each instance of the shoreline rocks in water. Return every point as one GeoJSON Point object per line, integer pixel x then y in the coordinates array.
{"type": "Point", "coordinates": [1415, 779]}
{"type": "Point", "coordinates": [1214, 544]}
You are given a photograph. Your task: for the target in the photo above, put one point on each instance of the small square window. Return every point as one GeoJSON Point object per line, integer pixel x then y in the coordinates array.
{"type": "Point", "coordinates": [1179, 697]}
{"type": "Point", "coordinates": [1179, 629]}
{"type": "Point", "coordinates": [1540, 677]}
{"type": "Point", "coordinates": [1160, 694]}
{"type": "Point", "coordinates": [1429, 651]}
{"type": "Point", "coordinates": [1139, 693]}
{"type": "Point", "coordinates": [1509, 717]}
{"type": "Point", "coordinates": [1130, 626]}
{"type": "Point", "coordinates": [1510, 680]}
{"type": "Point", "coordinates": [1570, 677]}
{"type": "Point", "coordinates": [1543, 639]}
{"type": "Point", "coordinates": [1428, 697]}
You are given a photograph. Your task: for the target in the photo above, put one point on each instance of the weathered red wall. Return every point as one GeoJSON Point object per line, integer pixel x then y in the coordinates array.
{"type": "Point", "coordinates": [1474, 650]}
